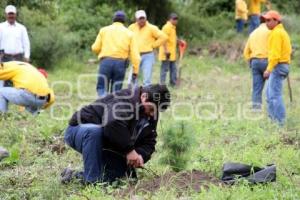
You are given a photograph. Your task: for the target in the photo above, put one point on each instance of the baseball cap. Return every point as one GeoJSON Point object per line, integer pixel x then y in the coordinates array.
{"type": "Point", "coordinates": [120, 15]}
{"type": "Point", "coordinates": [272, 14]}
{"type": "Point", "coordinates": [10, 9]}
{"type": "Point", "coordinates": [140, 13]}
{"type": "Point", "coordinates": [173, 16]}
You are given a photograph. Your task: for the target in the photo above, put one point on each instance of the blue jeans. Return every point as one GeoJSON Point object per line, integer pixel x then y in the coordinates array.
{"type": "Point", "coordinates": [111, 75]}
{"type": "Point", "coordinates": [146, 66]}
{"type": "Point", "coordinates": [165, 67]}
{"type": "Point", "coordinates": [20, 97]}
{"type": "Point", "coordinates": [254, 22]}
{"type": "Point", "coordinates": [276, 108]}
{"type": "Point", "coordinates": [240, 25]}
{"type": "Point", "coordinates": [99, 164]}
{"type": "Point", "coordinates": [258, 67]}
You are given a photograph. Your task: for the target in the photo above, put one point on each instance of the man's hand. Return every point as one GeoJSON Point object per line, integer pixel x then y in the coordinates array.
{"type": "Point", "coordinates": [168, 54]}
{"type": "Point", "coordinates": [267, 74]}
{"type": "Point", "coordinates": [132, 158]}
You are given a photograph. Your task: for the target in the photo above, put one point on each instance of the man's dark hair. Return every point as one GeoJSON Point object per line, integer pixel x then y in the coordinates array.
{"type": "Point", "coordinates": [159, 95]}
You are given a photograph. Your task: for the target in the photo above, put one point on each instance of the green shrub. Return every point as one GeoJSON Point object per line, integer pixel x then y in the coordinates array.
{"type": "Point", "coordinates": [177, 141]}
{"type": "Point", "coordinates": [50, 39]}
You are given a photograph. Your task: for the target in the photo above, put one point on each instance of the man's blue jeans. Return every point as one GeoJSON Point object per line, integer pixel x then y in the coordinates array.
{"type": "Point", "coordinates": [19, 97]}
{"type": "Point", "coordinates": [165, 67]}
{"type": "Point", "coordinates": [111, 75]}
{"type": "Point", "coordinates": [146, 66]}
{"type": "Point", "coordinates": [240, 25]}
{"type": "Point", "coordinates": [99, 164]}
{"type": "Point", "coordinates": [276, 108]}
{"type": "Point", "coordinates": [258, 67]}
{"type": "Point", "coordinates": [254, 22]}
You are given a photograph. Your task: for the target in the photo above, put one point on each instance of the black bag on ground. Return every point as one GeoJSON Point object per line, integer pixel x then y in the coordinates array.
{"type": "Point", "coordinates": [234, 171]}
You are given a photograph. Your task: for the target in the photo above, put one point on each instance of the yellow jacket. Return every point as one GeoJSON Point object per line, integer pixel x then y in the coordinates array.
{"type": "Point", "coordinates": [116, 41]}
{"type": "Point", "coordinates": [257, 44]}
{"type": "Point", "coordinates": [171, 43]}
{"type": "Point", "coordinates": [279, 46]}
{"type": "Point", "coordinates": [255, 6]}
{"type": "Point", "coordinates": [148, 37]}
{"type": "Point", "coordinates": [25, 76]}
{"type": "Point", "coordinates": [241, 10]}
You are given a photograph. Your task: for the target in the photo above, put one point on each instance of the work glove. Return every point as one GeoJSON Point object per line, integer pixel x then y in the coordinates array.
{"type": "Point", "coordinates": [168, 55]}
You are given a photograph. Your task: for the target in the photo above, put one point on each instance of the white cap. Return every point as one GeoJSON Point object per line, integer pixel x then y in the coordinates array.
{"type": "Point", "coordinates": [10, 9]}
{"type": "Point", "coordinates": [140, 13]}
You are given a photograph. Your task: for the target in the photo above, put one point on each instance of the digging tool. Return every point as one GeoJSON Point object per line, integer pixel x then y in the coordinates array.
{"type": "Point", "coordinates": [182, 47]}
{"type": "Point", "coordinates": [290, 88]}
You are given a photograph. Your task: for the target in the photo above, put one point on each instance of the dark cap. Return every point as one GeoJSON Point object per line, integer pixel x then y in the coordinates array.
{"type": "Point", "coordinates": [119, 16]}
{"type": "Point", "coordinates": [173, 16]}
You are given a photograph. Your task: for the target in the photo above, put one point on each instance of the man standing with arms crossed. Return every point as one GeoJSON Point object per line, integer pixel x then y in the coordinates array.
{"type": "Point", "coordinates": [114, 45]}
{"type": "Point", "coordinates": [148, 38]}
{"type": "Point", "coordinates": [279, 58]}
{"type": "Point", "coordinates": [256, 53]}
{"type": "Point", "coordinates": [255, 12]}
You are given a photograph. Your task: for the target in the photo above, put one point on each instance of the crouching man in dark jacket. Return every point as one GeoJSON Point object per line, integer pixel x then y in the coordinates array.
{"type": "Point", "coordinates": [116, 134]}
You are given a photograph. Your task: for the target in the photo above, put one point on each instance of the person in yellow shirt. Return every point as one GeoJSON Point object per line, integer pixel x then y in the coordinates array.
{"type": "Point", "coordinates": [255, 12]}
{"type": "Point", "coordinates": [148, 38]}
{"type": "Point", "coordinates": [279, 58]}
{"type": "Point", "coordinates": [256, 53]}
{"type": "Point", "coordinates": [241, 14]}
{"type": "Point", "coordinates": [114, 45]}
{"type": "Point", "coordinates": [30, 87]}
{"type": "Point", "coordinates": [167, 51]}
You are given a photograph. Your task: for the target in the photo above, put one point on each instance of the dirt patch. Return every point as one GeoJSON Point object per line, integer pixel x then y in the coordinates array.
{"type": "Point", "coordinates": [182, 182]}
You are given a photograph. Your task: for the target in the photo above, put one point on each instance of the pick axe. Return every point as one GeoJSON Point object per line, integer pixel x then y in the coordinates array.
{"type": "Point", "coordinates": [182, 47]}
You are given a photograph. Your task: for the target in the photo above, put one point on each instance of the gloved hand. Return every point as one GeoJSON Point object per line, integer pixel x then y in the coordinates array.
{"type": "Point", "coordinates": [134, 78]}
{"type": "Point", "coordinates": [168, 55]}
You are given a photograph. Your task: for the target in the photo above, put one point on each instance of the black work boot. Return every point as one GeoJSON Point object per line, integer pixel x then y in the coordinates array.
{"type": "Point", "coordinates": [67, 175]}
{"type": "Point", "coordinates": [3, 153]}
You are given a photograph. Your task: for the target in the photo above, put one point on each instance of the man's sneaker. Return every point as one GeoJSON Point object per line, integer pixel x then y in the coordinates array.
{"type": "Point", "coordinates": [3, 153]}
{"type": "Point", "coordinates": [67, 175]}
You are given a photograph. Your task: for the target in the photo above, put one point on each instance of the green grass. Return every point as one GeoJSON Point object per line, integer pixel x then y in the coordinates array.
{"type": "Point", "coordinates": [225, 130]}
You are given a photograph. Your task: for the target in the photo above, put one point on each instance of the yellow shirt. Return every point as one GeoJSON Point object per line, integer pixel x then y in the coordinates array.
{"type": "Point", "coordinates": [25, 76]}
{"type": "Point", "coordinates": [116, 41]}
{"type": "Point", "coordinates": [255, 6]}
{"type": "Point", "coordinates": [257, 44]}
{"type": "Point", "coordinates": [148, 37]}
{"type": "Point", "coordinates": [279, 46]}
{"type": "Point", "coordinates": [241, 10]}
{"type": "Point", "coordinates": [171, 43]}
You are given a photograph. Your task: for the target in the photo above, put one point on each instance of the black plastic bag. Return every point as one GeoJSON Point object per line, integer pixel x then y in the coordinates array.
{"type": "Point", "coordinates": [232, 172]}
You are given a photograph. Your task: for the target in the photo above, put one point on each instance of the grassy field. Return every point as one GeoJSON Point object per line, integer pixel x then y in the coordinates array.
{"type": "Point", "coordinates": [214, 98]}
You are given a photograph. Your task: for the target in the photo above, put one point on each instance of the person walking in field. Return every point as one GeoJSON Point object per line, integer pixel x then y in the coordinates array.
{"type": "Point", "coordinates": [279, 58]}
{"type": "Point", "coordinates": [167, 51]}
{"type": "Point", "coordinates": [241, 15]}
{"type": "Point", "coordinates": [30, 87]}
{"type": "Point", "coordinates": [114, 45]}
{"type": "Point", "coordinates": [256, 53]}
{"type": "Point", "coordinates": [116, 134]}
{"type": "Point", "coordinates": [148, 38]}
{"type": "Point", "coordinates": [254, 7]}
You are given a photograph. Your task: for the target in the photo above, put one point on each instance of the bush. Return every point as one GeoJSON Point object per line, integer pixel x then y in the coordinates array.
{"type": "Point", "coordinates": [177, 141]}
{"type": "Point", "coordinates": [50, 39]}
